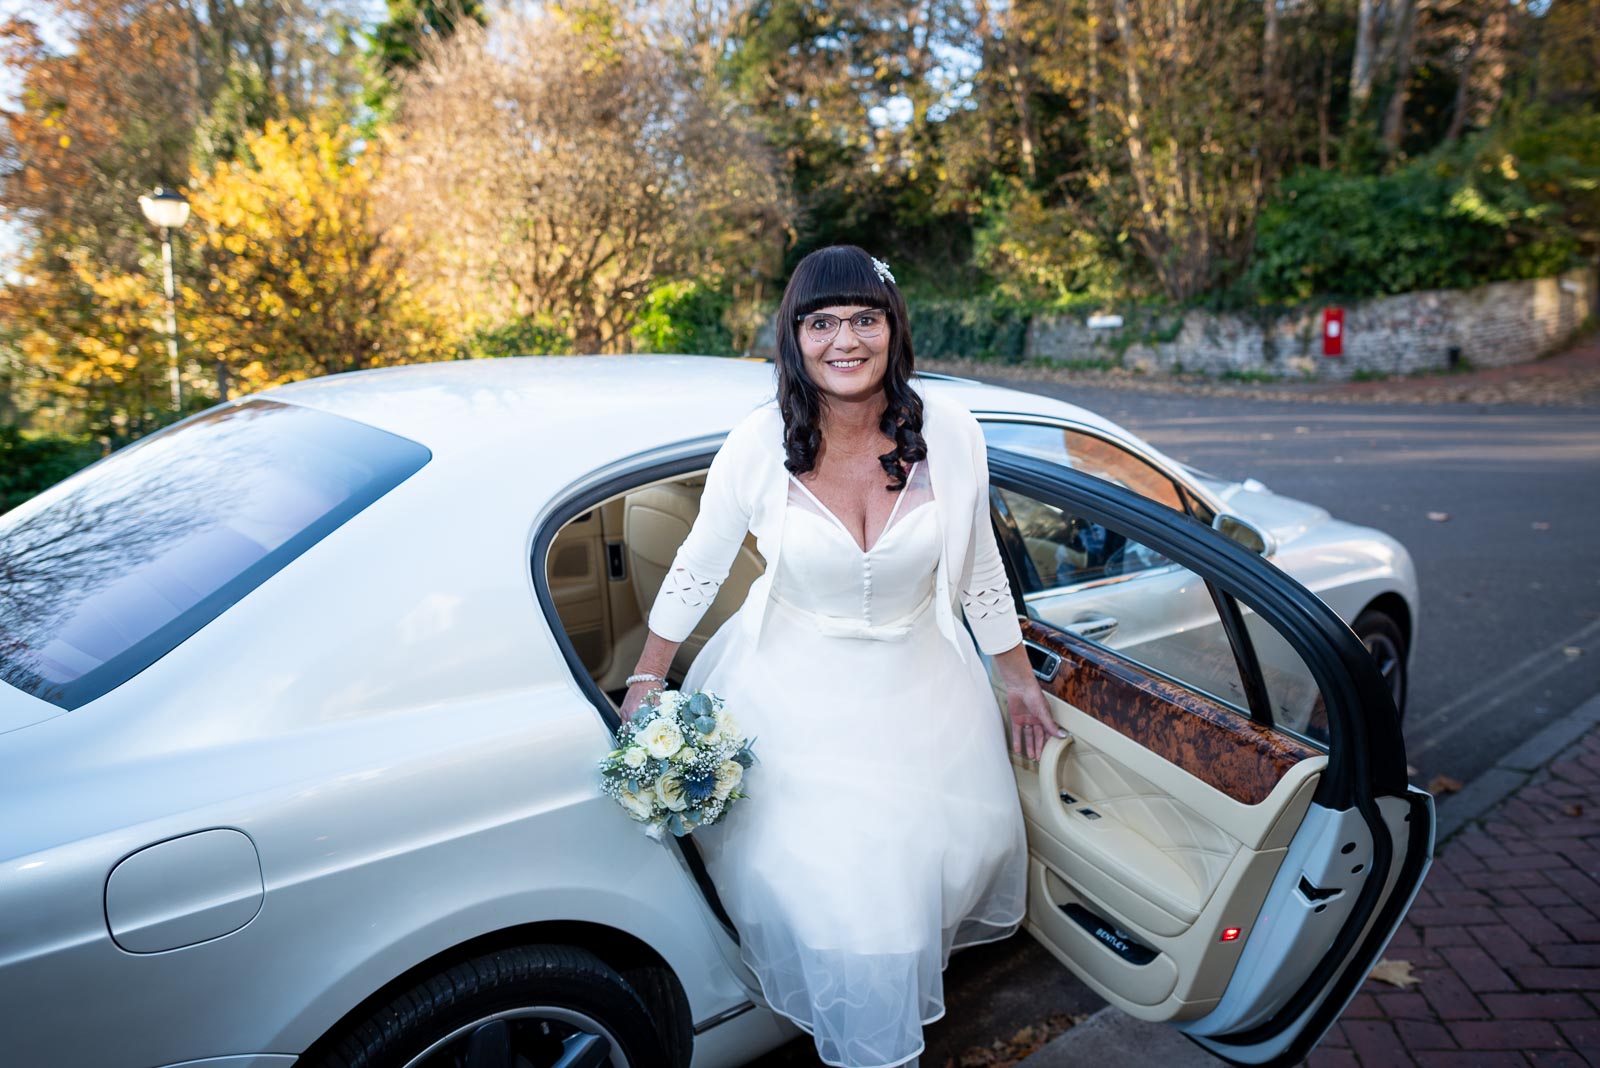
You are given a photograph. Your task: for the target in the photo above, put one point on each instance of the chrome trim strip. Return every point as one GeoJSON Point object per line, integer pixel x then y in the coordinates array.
{"type": "Point", "coordinates": [723, 1017]}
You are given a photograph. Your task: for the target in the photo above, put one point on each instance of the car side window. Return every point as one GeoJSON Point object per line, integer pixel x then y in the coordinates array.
{"type": "Point", "coordinates": [1068, 550]}
{"type": "Point", "coordinates": [1072, 573]}
{"type": "Point", "coordinates": [1088, 453]}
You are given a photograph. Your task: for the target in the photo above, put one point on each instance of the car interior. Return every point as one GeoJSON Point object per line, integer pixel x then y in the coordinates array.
{"type": "Point", "coordinates": [606, 565]}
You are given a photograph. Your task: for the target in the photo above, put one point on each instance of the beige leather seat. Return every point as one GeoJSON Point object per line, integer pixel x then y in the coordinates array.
{"type": "Point", "coordinates": [655, 520]}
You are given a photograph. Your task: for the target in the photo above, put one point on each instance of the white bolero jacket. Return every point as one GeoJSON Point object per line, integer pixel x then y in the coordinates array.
{"type": "Point", "coordinates": [747, 489]}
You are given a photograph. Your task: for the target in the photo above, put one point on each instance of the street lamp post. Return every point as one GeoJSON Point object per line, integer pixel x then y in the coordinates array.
{"type": "Point", "coordinates": [169, 210]}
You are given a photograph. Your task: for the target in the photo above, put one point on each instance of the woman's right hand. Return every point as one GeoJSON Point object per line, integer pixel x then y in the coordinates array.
{"type": "Point", "coordinates": [635, 697]}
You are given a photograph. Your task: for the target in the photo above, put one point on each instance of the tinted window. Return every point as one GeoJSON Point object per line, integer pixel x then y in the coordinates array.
{"type": "Point", "coordinates": [106, 573]}
{"type": "Point", "coordinates": [1087, 453]}
{"type": "Point", "coordinates": [1102, 585]}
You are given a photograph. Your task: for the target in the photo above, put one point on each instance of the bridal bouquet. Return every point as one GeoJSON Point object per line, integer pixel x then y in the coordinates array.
{"type": "Point", "coordinates": [678, 763]}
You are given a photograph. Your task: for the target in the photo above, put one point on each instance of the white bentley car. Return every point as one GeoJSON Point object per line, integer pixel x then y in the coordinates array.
{"type": "Point", "coordinates": [301, 701]}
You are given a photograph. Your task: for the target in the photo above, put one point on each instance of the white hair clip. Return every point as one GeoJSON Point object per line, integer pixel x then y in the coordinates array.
{"type": "Point", "coordinates": [882, 269]}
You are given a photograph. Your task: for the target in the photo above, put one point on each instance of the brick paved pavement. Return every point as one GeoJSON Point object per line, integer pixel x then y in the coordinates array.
{"type": "Point", "coordinates": [1504, 936]}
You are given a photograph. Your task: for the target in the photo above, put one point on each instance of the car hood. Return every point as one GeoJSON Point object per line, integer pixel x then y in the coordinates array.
{"type": "Point", "coordinates": [1282, 518]}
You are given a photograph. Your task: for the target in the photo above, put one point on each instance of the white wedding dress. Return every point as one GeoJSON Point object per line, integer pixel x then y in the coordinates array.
{"type": "Point", "coordinates": [882, 827]}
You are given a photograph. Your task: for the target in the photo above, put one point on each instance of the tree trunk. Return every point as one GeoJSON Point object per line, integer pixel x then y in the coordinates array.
{"type": "Point", "coordinates": [1324, 109]}
{"type": "Point", "coordinates": [1405, 33]}
{"type": "Point", "coordinates": [1366, 51]}
{"type": "Point", "coordinates": [1269, 45]}
{"type": "Point", "coordinates": [1458, 109]}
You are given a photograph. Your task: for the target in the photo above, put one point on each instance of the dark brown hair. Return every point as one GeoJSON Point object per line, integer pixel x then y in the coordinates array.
{"type": "Point", "coordinates": [844, 274]}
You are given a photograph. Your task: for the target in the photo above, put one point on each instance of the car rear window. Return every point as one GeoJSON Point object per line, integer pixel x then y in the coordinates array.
{"type": "Point", "coordinates": [107, 572]}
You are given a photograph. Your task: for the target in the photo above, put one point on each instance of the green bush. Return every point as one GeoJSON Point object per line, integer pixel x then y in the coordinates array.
{"type": "Point", "coordinates": [30, 464]}
{"type": "Point", "coordinates": [1453, 219]}
{"type": "Point", "coordinates": [979, 328]}
{"type": "Point", "coordinates": [521, 337]}
{"type": "Point", "coordinates": [685, 317]}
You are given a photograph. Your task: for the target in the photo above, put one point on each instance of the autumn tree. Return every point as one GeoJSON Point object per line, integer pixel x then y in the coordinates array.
{"type": "Point", "coordinates": [300, 276]}
{"type": "Point", "coordinates": [559, 164]}
{"type": "Point", "coordinates": [95, 126]}
{"type": "Point", "coordinates": [857, 97]}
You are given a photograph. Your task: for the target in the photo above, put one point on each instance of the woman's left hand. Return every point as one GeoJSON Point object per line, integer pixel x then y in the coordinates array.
{"type": "Point", "coordinates": [1031, 721]}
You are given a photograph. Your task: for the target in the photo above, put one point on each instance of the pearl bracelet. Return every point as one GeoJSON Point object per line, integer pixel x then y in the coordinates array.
{"type": "Point", "coordinates": [645, 677]}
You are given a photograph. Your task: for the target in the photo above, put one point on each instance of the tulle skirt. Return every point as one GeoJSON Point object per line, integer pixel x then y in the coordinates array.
{"type": "Point", "coordinates": [882, 828]}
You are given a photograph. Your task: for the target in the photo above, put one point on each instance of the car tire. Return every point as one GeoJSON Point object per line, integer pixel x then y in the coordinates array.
{"type": "Point", "coordinates": [526, 1005]}
{"type": "Point", "coordinates": [664, 996]}
{"type": "Point", "coordinates": [1387, 643]}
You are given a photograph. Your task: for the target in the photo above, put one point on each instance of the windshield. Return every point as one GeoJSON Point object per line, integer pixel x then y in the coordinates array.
{"type": "Point", "coordinates": [109, 571]}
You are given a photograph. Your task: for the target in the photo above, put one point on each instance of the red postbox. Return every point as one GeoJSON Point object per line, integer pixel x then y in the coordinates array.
{"type": "Point", "coordinates": [1333, 331]}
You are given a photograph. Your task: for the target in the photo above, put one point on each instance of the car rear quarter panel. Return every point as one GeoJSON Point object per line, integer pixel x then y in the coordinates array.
{"type": "Point", "coordinates": [388, 721]}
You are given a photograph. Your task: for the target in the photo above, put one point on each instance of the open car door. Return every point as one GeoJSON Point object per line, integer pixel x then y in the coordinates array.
{"type": "Point", "coordinates": [1226, 840]}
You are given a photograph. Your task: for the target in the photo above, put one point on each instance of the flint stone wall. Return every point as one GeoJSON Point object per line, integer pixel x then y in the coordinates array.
{"type": "Point", "coordinates": [1491, 325]}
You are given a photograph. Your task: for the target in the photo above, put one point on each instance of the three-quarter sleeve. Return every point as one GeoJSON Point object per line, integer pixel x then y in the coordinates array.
{"type": "Point", "coordinates": [986, 594]}
{"type": "Point", "coordinates": [705, 556]}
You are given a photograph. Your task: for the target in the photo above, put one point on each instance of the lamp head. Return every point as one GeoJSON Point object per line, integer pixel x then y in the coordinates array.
{"type": "Point", "coordinates": [165, 208]}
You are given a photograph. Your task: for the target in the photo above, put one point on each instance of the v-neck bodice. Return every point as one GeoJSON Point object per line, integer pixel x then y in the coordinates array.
{"type": "Point", "coordinates": [916, 486]}
{"type": "Point", "coordinates": [877, 592]}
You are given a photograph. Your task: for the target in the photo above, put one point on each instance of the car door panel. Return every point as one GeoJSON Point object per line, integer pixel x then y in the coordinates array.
{"type": "Point", "coordinates": [1191, 730]}
{"type": "Point", "coordinates": [1191, 860]}
{"type": "Point", "coordinates": [1172, 865]}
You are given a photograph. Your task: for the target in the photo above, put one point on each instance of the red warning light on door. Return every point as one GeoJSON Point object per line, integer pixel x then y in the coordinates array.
{"type": "Point", "coordinates": [1231, 934]}
{"type": "Point", "coordinates": [1333, 331]}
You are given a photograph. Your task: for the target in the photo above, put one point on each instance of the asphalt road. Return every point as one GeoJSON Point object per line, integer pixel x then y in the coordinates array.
{"type": "Point", "coordinates": [1509, 625]}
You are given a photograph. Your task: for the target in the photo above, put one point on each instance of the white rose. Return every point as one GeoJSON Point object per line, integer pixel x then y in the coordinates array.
{"type": "Point", "coordinates": [634, 757]}
{"type": "Point", "coordinates": [727, 726]}
{"type": "Point", "coordinates": [670, 700]}
{"type": "Point", "coordinates": [661, 738]}
{"type": "Point", "coordinates": [669, 789]}
{"type": "Point", "coordinates": [638, 805]}
{"type": "Point", "coordinates": [729, 774]}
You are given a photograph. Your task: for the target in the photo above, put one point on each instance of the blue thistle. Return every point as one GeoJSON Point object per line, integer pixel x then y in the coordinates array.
{"type": "Point", "coordinates": [699, 786]}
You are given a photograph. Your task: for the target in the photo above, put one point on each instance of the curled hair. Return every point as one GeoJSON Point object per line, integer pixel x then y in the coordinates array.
{"type": "Point", "coordinates": [843, 274]}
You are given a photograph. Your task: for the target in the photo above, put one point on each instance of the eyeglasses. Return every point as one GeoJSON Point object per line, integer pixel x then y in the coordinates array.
{"type": "Point", "coordinates": [820, 326]}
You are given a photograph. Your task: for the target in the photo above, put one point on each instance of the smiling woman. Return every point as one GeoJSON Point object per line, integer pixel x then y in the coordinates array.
{"type": "Point", "coordinates": [869, 502]}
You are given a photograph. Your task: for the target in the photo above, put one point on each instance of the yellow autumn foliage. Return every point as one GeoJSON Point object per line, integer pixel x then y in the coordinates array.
{"type": "Point", "coordinates": [284, 273]}
{"type": "Point", "coordinates": [301, 277]}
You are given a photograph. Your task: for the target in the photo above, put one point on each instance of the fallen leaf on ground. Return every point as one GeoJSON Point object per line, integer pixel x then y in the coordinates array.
{"type": "Point", "coordinates": [1394, 972]}
{"type": "Point", "coordinates": [1443, 784]}
{"type": "Point", "coordinates": [1410, 771]}
{"type": "Point", "coordinates": [1571, 650]}
{"type": "Point", "coordinates": [1541, 526]}
{"type": "Point", "coordinates": [1438, 517]}
{"type": "Point", "coordinates": [1573, 809]}
{"type": "Point", "coordinates": [1026, 1040]}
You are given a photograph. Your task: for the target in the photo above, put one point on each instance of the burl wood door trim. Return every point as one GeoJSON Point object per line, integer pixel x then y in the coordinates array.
{"type": "Point", "coordinates": [1204, 737]}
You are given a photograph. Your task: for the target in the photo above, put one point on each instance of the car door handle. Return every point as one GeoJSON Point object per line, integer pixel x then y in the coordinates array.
{"type": "Point", "coordinates": [1093, 628]}
{"type": "Point", "coordinates": [1045, 662]}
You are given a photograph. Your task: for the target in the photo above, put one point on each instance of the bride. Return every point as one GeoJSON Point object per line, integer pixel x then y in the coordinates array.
{"type": "Point", "coordinates": [882, 828]}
